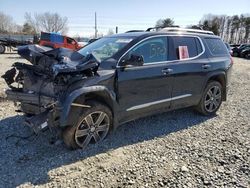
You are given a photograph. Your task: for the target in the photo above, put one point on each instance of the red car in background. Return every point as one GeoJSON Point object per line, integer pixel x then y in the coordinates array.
{"type": "Point", "coordinates": [55, 40]}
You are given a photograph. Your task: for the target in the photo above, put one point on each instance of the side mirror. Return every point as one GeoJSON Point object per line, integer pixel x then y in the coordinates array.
{"type": "Point", "coordinates": [133, 60]}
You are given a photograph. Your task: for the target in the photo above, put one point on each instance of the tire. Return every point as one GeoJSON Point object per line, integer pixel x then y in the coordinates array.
{"type": "Point", "coordinates": [2, 49]}
{"type": "Point", "coordinates": [92, 125]}
{"type": "Point", "coordinates": [211, 99]}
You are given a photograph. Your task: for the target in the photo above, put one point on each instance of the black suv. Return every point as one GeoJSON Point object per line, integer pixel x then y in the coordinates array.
{"type": "Point", "coordinates": [237, 50]}
{"type": "Point", "coordinates": [119, 78]}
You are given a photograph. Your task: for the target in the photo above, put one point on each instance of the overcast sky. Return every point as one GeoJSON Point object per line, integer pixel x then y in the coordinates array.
{"type": "Point", "coordinates": [126, 14]}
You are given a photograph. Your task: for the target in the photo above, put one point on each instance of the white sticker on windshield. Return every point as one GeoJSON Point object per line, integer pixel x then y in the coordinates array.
{"type": "Point", "coordinates": [123, 40]}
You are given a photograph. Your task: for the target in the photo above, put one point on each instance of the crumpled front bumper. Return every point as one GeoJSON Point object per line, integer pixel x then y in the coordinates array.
{"type": "Point", "coordinates": [41, 111]}
{"type": "Point", "coordinates": [30, 98]}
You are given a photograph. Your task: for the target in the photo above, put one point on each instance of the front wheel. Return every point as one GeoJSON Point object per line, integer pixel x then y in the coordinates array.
{"type": "Point", "coordinates": [92, 126]}
{"type": "Point", "coordinates": [211, 99]}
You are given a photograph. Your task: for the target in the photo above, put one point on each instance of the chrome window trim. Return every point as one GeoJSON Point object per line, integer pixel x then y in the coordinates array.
{"type": "Point", "coordinates": [145, 105]}
{"type": "Point", "coordinates": [160, 62]}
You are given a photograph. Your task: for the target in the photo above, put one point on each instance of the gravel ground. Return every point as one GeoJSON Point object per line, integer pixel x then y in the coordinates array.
{"type": "Point", "coordinates": [176, 149]}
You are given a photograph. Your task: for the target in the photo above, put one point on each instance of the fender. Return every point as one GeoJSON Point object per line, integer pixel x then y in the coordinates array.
{"type": "Point", "coordinates": [224, 81]}
{"type": "Point", "coordinates": [216, 73]}
{"type": "Point", "coordinates": [104, 91]}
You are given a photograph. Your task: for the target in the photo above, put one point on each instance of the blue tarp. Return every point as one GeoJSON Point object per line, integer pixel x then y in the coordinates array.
{"type": "Point", "coordinates": [56, 38]}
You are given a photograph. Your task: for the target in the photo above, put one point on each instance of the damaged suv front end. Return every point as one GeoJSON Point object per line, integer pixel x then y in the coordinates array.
{"type": "Point", "coordinates": [39, 89]}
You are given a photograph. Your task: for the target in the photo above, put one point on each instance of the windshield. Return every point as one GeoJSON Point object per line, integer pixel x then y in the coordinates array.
{"type": "Point", "coordinates": [105, 47]}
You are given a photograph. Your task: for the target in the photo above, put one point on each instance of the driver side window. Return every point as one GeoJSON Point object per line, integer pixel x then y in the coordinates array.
{"type": "Point", "coordinates": [152, 50]}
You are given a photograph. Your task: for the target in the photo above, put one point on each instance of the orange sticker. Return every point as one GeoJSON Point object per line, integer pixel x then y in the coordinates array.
{"type": "Point", "coordinates": [183, 52]}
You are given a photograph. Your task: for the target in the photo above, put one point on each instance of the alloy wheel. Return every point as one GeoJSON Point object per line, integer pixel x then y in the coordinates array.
{"type": "Point", "coordinates": [213, 99]}
{"type": "Point", "coordinates": [92, 128]}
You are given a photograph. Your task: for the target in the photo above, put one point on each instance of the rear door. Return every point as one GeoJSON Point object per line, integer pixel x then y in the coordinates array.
{"type": "Point", "coordinates": [190, 66]}
{"type": "Point", "coordinates": [145, 89]}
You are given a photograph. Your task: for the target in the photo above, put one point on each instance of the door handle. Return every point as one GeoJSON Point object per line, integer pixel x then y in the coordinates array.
{"type": "Point", "coordinates": [166, 71]}
{"type": "Point", "coordinates": [206, 66]}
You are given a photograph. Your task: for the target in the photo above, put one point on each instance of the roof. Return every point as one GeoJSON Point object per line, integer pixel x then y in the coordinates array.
{"type": "Point", "coordinates": [174, 29]}
{"type": "Point", "coordinates": [169, 31]}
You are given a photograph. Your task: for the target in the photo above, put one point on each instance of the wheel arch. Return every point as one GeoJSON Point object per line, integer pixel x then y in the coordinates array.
{"type": "Point", "coordinates": [221, 78]}
{"type": "Point", "coordinates": [98, 93]}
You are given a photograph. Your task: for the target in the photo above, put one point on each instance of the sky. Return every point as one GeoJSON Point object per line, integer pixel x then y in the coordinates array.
{"type": "Point", "coordinates": [126, 14]}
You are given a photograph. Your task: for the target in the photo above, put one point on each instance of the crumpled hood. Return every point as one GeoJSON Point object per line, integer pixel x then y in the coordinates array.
{"type": "Point", "coordinates": [60, 60]}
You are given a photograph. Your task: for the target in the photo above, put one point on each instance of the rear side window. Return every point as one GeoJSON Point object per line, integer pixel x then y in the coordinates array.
{"type": "Point", "coordinates": [184, 47]}
{"type": "Point", "coordinates": [216, 46]}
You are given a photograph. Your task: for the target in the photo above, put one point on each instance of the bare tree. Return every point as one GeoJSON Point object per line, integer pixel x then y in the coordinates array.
{"type": "Point", "coordinates": [32, 22]}
{"type": "Point", "coordinates": [6, 23]}
{"type": "Point", "coordinates": [49, 22]}
{"type": "Point", "coordinates": [228, 24]}
{"type": "Point", "coordinates": [247, 29]}
{"type": "Point", "coordinates": [232, 29]}
{"type": "Point", "coordinates": [235, 28]}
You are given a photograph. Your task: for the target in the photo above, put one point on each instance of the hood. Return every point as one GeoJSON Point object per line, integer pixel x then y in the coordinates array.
{"type": "Point", "coordinates": [60, 60]}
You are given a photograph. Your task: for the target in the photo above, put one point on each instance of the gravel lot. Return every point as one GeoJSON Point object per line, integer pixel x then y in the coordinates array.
{"type": "Point", "coordinates": [176, 149]}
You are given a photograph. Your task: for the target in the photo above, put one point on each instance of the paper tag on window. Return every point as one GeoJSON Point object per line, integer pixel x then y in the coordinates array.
{"type": "Point", "coordinates": [123, 40]}
{"type": "Point", "coordinates": [183, 52]}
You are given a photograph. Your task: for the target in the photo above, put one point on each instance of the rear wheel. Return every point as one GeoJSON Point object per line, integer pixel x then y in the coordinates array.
{"type": "Point", "coordinates": [2, 49]}
{"type": "Point", "coordinates": [92, 126]}
{"type": "Point", "coordinates": [211, 99]}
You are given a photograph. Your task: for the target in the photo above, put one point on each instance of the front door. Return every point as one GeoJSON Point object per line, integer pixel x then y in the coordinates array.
{"type": "Point", "coordinates": [143, 90]}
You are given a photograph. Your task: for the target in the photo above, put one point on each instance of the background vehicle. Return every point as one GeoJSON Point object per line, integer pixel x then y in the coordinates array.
{"type": "Point", "coordinates": [245, 52]}
{"type": "Point", "coordinates": [234, 45]}
{"type": "Point", "coordinates": [119, 78]}
{"type": "Point", "coordinates": [237, 50]}
{"type": "Point", "coordinates": [55, 40]}
{"type": "Point", "coordinates": [11, 43]}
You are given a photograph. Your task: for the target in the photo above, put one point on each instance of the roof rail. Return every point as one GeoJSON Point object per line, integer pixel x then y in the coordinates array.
{"type": "Point", "coordinates": [131, 31]}
{"type": "Point", "coordinates": [158, 28]}
{"type": "Point", "coordinates": [174, 29]}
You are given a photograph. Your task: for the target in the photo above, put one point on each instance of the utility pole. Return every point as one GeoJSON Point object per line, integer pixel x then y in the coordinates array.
{"type": "Point", "coordinates": [95, 26]}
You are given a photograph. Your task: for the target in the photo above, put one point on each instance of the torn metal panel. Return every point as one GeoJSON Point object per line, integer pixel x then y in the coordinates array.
{"type": "Point", "coordinates": [40, 87]}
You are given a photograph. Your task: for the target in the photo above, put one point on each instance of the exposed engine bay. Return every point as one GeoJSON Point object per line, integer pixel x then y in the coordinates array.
{"type": "Point", "coordinates": [39, 88]}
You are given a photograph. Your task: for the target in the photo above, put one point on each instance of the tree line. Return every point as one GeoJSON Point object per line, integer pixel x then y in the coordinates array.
{"type": "Point", "coordinates": [232, 29]}
{"type": "Point", "coordinates": [34, 24]}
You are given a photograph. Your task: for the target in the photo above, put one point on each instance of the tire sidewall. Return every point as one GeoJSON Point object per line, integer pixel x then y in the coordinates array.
{"type": "Point", "coordinates": [202, 102]}
{"type": "Point", "coordinates": [69, 132]}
